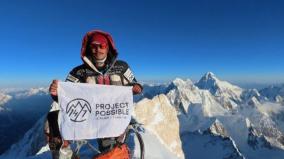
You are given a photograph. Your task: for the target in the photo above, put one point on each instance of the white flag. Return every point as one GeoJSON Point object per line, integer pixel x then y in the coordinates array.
{"type": "Point", "coordinates": [89, 111]}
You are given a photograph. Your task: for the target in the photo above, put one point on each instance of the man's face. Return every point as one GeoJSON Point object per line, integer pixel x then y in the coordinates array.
{"type": "Point", "coordinates": [99, 51]}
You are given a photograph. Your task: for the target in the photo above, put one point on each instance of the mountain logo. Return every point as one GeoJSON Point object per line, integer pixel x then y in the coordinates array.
{"type": "Point", "coordinates": [78, 110]}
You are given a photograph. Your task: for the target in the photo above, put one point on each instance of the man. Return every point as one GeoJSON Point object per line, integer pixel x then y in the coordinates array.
{"type": "Point", "coordinates": [100, 66]}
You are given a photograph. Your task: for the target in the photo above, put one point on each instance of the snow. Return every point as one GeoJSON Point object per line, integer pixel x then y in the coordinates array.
{"type": "Point", "coordinates": [32, 142]}
{"type": "Point", "coordinates": [4, 98]}
{"type": "Point", "coordinates": [273, 93]}
{"type": "Point", "coordinates": [198, 145]}
{"type": "Point", "coordinates": [154, 149]}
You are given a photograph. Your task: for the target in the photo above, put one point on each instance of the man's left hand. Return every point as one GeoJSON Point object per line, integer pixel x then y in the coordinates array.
{"type": "Point", "coordinates": [136, 89]}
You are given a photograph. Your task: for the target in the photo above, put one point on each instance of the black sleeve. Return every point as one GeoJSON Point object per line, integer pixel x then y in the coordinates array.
{"type": "Point", "coordinates": [129, 76]}
{"type": "Point", "coordinates": [76, 76]}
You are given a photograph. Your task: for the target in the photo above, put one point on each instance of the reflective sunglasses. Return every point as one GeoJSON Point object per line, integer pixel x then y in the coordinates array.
{"type": "Point", "coordinates": [98, 45]}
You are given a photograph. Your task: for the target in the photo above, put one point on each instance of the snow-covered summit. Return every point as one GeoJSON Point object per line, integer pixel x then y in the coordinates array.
{"type": "Point", "coordinates": [208, 81]}
{"type": "Point", "coordinates": [227, 94]}
{"type": "Point", "coordinates": [218, 87]}
{"type": "Point", "coordinates": [209, 76]}
{"type": "Point", "coordinates": [178, 82]}
{"type": "Point", "coordinates": [217, 128]}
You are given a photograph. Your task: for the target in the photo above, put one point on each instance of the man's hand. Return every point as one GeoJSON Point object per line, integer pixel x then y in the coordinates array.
{"type": "Point", "coordinates": [53, 88]}
{"type": "Point", "coordinates": [136, 89]}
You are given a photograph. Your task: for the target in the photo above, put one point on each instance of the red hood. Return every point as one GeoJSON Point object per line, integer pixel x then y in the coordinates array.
{"type": "Point", "coordinates": [87, 39]}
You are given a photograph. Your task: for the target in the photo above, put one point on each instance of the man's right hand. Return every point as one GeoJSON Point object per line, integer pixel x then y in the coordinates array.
{"type": "Point", "coordinates": [53, 88]}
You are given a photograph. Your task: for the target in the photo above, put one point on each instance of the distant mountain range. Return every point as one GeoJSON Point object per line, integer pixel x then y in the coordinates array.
{"type": "Point", "coordinates": [211, 118]}
{"type": "Point", "coordinates": [19, 111]}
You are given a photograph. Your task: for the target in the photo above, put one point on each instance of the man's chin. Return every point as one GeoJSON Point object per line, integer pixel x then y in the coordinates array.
{"type": "Point", "coordinates": [99, 57]}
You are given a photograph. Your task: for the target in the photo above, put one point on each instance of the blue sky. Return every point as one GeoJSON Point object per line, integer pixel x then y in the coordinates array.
{"type": "Point", "coordinates": [239, 40]}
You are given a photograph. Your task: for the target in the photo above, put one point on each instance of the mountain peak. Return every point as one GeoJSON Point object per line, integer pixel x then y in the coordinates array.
{"type": "Point", "coordinates": [217, 128]}
{"type": "Point", "coordinates": [208, 81]}
{"type": "Point", "coordinates": [220, 88]}
{"type": "Point", "coordinates": [181, 82]}
{"type": "Point", "coordinates": [178, 80]}
{"type": "Point", "coordinates": [210, 74]}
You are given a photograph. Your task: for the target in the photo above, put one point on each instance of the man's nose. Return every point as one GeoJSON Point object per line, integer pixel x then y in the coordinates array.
{"type": "Point", "coordinates": [95, 48]}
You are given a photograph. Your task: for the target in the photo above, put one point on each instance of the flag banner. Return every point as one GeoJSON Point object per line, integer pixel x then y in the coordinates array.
{"type": "Point", "coordinates": [90, 111]}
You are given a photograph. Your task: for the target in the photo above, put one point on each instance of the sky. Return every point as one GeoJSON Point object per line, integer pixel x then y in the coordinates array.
{"type": "Point", "coordinates": [238, 40]}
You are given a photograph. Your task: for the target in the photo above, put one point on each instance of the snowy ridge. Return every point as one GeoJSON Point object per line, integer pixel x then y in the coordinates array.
{"type": "Point", "coordinates": [251, 93]}
{"type": "Point", "coordinates": [274, 93]}
{"type": "Point", "coordinates": [32, 92]}
{"type": "Point", "coordinates": [227, 94]}
{"type": "Point", "coordinates": [218, 129]}
{"type": "Point", "coordinates": [4, 98]}
{"type": "Point", "coordinates": [205, 145]}
{"type": "Point", "coordinates": [31, 143]}
{"type": "Point", "coordinates": [255, 138]}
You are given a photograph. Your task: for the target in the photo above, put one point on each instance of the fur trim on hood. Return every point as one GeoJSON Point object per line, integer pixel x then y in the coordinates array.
{"type": "Point", "coordinates": [86, 52]}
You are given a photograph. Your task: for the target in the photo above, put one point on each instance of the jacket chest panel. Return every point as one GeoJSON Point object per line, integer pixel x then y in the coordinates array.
{"type": "Point", "coordinates": [108, 79]}
{"type": "Point", "coordinates": [116, 69]}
